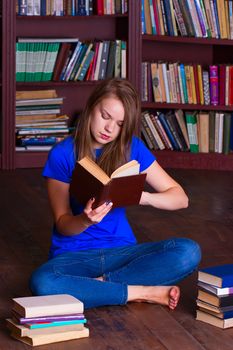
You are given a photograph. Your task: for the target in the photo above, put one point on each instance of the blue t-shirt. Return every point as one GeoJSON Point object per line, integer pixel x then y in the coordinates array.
{"type": "Point", "coordinates": [114, 230]}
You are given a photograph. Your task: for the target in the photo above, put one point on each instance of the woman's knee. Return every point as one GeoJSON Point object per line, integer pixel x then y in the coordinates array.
{"type": "Point", "coordinates": [190, 252]}
{"type": "Point", "coordinates": [41, 282]}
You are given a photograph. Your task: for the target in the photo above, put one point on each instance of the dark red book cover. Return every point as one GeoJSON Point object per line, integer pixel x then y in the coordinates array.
{"type": "Point", "coordinates": [121, 191]}
{"type": "Point", "coordinates": [230, 85]}
{"type": "Point", "coordinates": [222, 84]}
{"type": "Point", "coordinates": [61, 59]}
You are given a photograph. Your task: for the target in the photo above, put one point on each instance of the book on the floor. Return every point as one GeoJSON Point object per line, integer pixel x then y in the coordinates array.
{"type": "Point", "coordinates": [22, 331]}
{"type": "Point", "coordinates": [124, 187]}
{"type": "Point", "coordinates": [47, 305]}
{"type": "Point", "coordinates": [219, 301]}
{"type": "Point", "coordinates": [69, 317]}
{"type": "Point", "coordinates": [220, 276]}
{"type": "Point", "coordinates": [53, 324]}
{"type": "Point", "coordinates": [215, 321]}
{"type": "Point", "coordinates": [213, 308]}
{"type": "Point", "coordinates": [41, 339]}
{"type": "Point", "coordinates": [223, 315]}
{"type": "Point", "coordinates": [215, 290]}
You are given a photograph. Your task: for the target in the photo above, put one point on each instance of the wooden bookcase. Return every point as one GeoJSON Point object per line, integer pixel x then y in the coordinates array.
{"type": "Point", "coordinates": [188, 50]}
{"type": "Point", "coordinates": [139, 48]}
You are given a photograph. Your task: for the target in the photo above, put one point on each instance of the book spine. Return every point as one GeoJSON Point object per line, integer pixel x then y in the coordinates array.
{"type": "Point", "coordinates": [214, 93]}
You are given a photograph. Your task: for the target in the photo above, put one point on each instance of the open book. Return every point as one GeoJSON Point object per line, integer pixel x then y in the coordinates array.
{"type": "Point", "coordinates": [124, 187]}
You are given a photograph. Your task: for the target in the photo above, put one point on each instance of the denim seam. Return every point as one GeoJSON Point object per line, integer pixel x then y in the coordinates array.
{"type": "Point", "coordinates": [107, 275]}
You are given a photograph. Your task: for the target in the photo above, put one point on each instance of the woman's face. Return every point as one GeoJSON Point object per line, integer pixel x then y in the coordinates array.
{"type": "Point", "coordinates": [106, 121]}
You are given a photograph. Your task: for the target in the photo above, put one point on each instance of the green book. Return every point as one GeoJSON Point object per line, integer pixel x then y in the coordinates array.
{"type": "Point", "coordinates": [211, 131]}
{"type": "Point", "coordinates": [20, 61]}
{"type": "Point", "coordinates": [50, 61]}
{"type": "Point", "coordinates": [226, 133]}
{"type": "Point", "coordinates": [191, 121]}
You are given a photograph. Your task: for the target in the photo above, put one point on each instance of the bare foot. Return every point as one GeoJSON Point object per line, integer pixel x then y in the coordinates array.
{"type": "Point", "coordinates": [163, 295]}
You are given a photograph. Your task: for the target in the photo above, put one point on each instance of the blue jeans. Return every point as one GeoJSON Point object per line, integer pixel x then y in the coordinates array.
{"type": "Point", "coordinates": [155, 263]}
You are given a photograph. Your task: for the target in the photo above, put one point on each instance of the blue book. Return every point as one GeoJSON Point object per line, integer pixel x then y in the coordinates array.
{"type": "Point", "coordinates": [143, 18]}
{"type": "Point", "coordinates": [54, 324]}
{"type": "Point", "coordinates": [220, 276]}
{"type": "Point", "coordinates": [166, 127]}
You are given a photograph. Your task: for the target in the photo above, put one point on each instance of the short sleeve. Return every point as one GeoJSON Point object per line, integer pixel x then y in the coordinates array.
{"type": "Point", "coordinates": [141, 153]}
{"type": "Point", "coordinates": [61, 161]}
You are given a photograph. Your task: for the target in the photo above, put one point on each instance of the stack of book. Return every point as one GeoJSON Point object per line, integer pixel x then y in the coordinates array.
{"type": "Point", "coordinates": [39, 123]}
{"type": "Point", "coordinates": [215, 296]}
{"type": "Point", "coordinates": [47, 319]}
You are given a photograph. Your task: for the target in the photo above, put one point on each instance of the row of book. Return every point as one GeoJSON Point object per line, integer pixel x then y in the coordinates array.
{"type": "Point", "coordinates": [70, 7]}
{"type": "Point", "coordinates": [47, 319]}
{"type": "Point", "coordinates": [187, 83]}
{"type": "Point", "coordinates": [215, 296]}
{"type": "Point", "coordinates": [192, 18]}
{"type": "Point", "coordinates": [39, 122]}
{"type": "Point", "coordinates": [69, 59]}
{"type": "Point", "coordinates": [197, 132]}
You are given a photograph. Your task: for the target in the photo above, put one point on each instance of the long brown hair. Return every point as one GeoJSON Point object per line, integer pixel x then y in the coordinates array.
{"type": "Point", "coordinates": [116, 152]}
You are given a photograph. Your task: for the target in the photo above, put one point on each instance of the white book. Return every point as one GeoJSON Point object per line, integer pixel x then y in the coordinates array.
{"type": "Point", "coordinates": [47, 40]}
{"type": "Point", "coordinates": [97, 67]}
{"type": "Point", "coordinates": [154, 131]}
{"type": "Point", "coordinates": [215, 290]}
{"type": "Point", "coordinates": [47, 305]}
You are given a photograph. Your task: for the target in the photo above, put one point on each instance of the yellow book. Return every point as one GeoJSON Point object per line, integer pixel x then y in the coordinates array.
{"type": "Point", "coordinates": [31, 94]}
{"type": "Point", "coordinates": [222, 19]}
{"type": "Point", "coordinates": [194, 95]}
{"type": "Point", "coordinates": [200, 83]}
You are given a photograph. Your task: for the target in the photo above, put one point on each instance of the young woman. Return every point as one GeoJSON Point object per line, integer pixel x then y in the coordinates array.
{"type": "Point", "coordinates": [94, 255]}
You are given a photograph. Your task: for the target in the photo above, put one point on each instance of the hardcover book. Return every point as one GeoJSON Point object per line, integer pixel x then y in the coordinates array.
{"type": "Point", "coordinates": [124, 187]}
{"type": "Point", "coordinates": [220, 276]}
{"type": "Point", "coordinates": [22, 331]}
{"type": "Point", "coordinates": [215, 290]}
{"type": "Point", "coordinates": [219, 301]}
{"type": "Point", "coordinates": [41, 339]}
{"type": "Point", "coordinates": [47, 305]}
{"type": "Point", "coordinates": [215, 321]}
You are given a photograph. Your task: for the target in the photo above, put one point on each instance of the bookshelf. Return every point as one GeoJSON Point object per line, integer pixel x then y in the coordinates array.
{"type": "Point", "coordinates": [139, 48]}
{"type": "Point", "coordinates": [188, 50]}
{"type": "Point", "coordinates": [105, 27]}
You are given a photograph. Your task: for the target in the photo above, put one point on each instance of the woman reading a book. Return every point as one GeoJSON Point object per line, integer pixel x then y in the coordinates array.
{"type": "Point", "coordinates": [94, 255]}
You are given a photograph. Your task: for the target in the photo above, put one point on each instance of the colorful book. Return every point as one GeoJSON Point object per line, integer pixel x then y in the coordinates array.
{"type": "Point", "coordinates": [220, 276]}
{"type": "Point", "coordinates": [215, 290]}
{"type": "Point", "coordinates": [215, 321]}
{"type": "Point", "coordinates": [53, 324]}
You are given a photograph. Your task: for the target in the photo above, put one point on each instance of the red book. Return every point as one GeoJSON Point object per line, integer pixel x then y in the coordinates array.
{"type": "Point", "coordinates": [100, 7]}
{"type": "Point", "coordinates": [222, 84]}
{"type": "Point", "coordinates": [61, 59]}
{"type": "Point", "coordinates": [231, 85]}
{"type": "Point", "coordinates": [196, 83]}
{"type": "Point", "coordinates": [214, 94]}
{"type": "Point", "coordinates": [156, 17]}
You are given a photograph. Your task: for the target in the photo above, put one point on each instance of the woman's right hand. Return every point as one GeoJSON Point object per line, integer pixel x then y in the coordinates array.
{"type": "Point", "coordinates": [92, 216]}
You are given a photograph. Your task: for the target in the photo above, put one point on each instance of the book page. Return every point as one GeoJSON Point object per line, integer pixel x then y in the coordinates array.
{"type": "Point", "coordinates": [94, 169]}
{"type": "Point", "coordinates": [128, 169]}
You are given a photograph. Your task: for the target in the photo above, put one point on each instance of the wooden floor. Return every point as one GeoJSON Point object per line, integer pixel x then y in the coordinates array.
{"type": "Point", "coordinates": [25, 224]}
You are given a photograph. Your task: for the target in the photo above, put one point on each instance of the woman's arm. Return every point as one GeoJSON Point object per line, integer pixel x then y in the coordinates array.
{"type": "Point", "coordinates": [169, 194]}
{"type": "Point", "coordinates": [67, 223]}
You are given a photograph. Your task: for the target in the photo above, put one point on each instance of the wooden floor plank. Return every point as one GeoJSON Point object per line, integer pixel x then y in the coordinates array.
{"type": "Point", "coordinates": [25, 227]}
